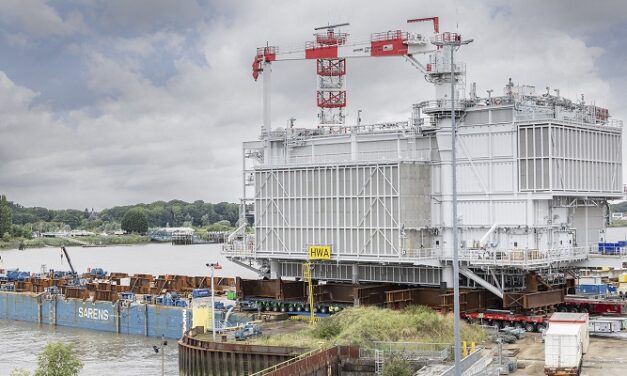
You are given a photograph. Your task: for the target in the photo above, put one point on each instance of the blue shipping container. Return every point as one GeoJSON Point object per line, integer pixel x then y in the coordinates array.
{"type": "Point", "coordinates": [592, 289]}
{"type": "Point", "coordinates": [200, 293]}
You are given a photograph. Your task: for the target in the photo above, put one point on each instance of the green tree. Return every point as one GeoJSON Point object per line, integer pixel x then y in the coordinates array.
{"type": "Point", "coordinates": [135, 220]}
{"type": "Point", "coordinates": [70, 217]}
{"type": "Point", "coordinates": [58, 359]}
{"type": "Point", "coordinates": [5, 216]}
{"type": "Point", "coordinates": [219, 226]}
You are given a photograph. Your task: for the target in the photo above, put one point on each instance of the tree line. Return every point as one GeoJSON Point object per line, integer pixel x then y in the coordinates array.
{"type": "Point", "coordinates": [16, 219]}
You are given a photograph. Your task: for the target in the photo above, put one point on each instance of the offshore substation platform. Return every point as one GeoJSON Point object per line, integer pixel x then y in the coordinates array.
{"type": "Point", "coordinates": [372, 203]}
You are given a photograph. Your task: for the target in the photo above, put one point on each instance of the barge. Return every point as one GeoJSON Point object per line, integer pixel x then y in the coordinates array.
{"type": "Point", "coordinates": [121, 316]}
{"type": "Point", "coordinates": [140, 305]}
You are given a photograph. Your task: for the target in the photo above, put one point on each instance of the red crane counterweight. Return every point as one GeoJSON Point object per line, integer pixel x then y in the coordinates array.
{"type": "Point", "coordinates": [436, 22]}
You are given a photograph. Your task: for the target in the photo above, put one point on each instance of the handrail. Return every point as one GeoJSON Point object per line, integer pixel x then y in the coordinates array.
{"type": "Point", "coordinates": [275, 367]}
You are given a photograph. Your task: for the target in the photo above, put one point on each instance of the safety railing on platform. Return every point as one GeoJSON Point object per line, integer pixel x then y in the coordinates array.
{"type": "Point", "coordinates": [239, 249]}
{"type": "Point", "coordinates": [420, 253]}
{"type": "Point", "coordinates": [441, 105]}
{"type": "Point", "coordinates": [543, 114]}
{"type": "Point", "coordinates": [247, 249]}
{"type": "Point", "coordinates": [322, 131]}
{"type": "Point", "coordinates": [374, 156]}
{"type": "Point", "coordinates": [495, 257]}
{"type": "Point", "coordinates": [523, 257]}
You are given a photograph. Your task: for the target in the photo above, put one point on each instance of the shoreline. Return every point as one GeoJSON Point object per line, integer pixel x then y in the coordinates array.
{"type": "Point", "coordinates": [84, 241]}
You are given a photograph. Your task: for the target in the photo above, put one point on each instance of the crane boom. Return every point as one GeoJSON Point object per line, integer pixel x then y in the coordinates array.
{"type": "Point", "coordinates": [331, 51]}
{"type": "Point", "coordinates": [67, 257]}
{"type": "Point", "coordinates": [387, 43]}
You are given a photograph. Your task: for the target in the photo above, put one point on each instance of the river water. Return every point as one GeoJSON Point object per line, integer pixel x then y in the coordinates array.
{"type": "Point", "coordinates": [105, 353]}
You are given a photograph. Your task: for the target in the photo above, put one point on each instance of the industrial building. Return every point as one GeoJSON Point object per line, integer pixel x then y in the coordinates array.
{"type": "Point", "coordinates": [535, 171]}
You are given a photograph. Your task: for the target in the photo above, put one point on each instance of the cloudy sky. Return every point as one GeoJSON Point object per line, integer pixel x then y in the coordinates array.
{"type": "Point", "coordinates": [122, 101]}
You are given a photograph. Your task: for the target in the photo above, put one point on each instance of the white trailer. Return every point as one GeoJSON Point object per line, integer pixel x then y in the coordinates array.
{"type": "Point", "coordinates": [563, 350]}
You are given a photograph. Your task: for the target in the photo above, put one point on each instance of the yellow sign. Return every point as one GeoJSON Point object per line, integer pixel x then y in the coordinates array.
{"type": "Point", "coordinates": [319, 252]}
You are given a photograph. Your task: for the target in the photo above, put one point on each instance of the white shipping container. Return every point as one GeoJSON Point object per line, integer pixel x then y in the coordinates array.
{"type": "Point", "coordinates": [580, 320]}
{"type": "Point", "coordinates": [563, 347]}
{"type": "Point", "coordinates": [126, 281]}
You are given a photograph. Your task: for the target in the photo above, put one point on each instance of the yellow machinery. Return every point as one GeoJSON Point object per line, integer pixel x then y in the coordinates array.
{"type": "Point", "coordinates": [310, 296]}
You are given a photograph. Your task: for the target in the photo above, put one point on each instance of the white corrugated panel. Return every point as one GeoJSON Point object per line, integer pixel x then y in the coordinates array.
{"type": "Point", "coordinates": [503, 177]}
{"type": "Point", "coordinates": [503, 144]}
{"type": "Point", "coordinates": [510, 212]}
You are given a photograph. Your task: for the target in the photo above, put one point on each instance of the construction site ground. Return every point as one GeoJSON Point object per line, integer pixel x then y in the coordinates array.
{"type": "Point", "coordinates": [269, 328]}
{"type": "Point", "coordinates": [606, 356]}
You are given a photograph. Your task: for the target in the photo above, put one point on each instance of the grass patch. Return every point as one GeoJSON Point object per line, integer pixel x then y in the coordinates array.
{"type": "Point", "coordinates": [364, 325]}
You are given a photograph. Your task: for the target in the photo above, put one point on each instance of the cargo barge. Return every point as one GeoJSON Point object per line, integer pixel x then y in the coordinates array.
{"type": "Point", "coordinates": [140, 305]}
{"type": "Point", "coordinates": [121, 316]}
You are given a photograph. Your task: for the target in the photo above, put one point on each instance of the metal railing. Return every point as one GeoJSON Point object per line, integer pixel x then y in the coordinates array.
{"type": "Point", "coordinates": [307, 133]}
{"type": "Point", "coordinates": [246, 249]}
{"type": "Point", "coordinates": [596, 250]}
{"type": "Point", "coordinates": [408, 350]}
{"type": "Point", "coordinates": [577, 118]}
{"type": "Point", "coordinates": [362, 156]}
{"type": "Point", "coordinates": [239, 249]}
{"type": "Point", "coordinates": [389, 35]}
{"type": "Point", "coordinates": [442, 105]}
{"type": "Point", "coordinates": [494, 257]}
{"type": "Point", "coordinates": [420, 253]}
{"type": "Point", "coordinates": [467, 364]}
{"type": "Point", "coordinates": [523, 257]}
{"type": "Point", "coordinates": [295, 359]}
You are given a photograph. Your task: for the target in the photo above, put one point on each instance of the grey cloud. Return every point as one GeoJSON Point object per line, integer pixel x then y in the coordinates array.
{"type": "Point", "coordinates": [149, 131]}
{"type": "Point", "coordinates": [37, 19]}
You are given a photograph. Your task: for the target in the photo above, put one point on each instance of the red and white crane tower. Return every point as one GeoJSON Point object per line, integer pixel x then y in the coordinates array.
{"type": "Point", "coordinates": [331, 94]}
{"type": "Point", "coordinates": [331, 50]}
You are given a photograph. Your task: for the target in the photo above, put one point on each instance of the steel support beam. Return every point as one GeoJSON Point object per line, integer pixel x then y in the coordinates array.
{"type": "Point", "coordinates": [482, 282]}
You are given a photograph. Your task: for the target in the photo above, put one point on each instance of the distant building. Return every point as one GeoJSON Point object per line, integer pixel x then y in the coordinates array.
{"type": "Point", "coordinates": [618, 215]}
{"type": "Point", "coordinates": [92, 215]}
{"type": "Point", "coordinates": [167, 233]}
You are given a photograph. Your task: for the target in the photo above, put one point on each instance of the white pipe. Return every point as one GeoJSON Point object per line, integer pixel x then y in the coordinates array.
{"type": "Point", "coordinates": [485, 237]}
{"type": "Point", "coordinates": [226, 317]}
{"type": "Point", "coordinates": [213, 308]}
{"type": "Point", "coordinates": [267, 84]}
{"type": "Point", "coordinates": [236, 232]}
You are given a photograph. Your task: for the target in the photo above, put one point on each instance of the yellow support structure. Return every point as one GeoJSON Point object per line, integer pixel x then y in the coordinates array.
{"type": "Point", "coordinates": [310, 296]}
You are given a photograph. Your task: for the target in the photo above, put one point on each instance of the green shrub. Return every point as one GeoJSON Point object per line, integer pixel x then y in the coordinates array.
{"type": "Point", "coordinates": [397, 366]}
{"type": "Point", "coordinates": [327, 329]}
